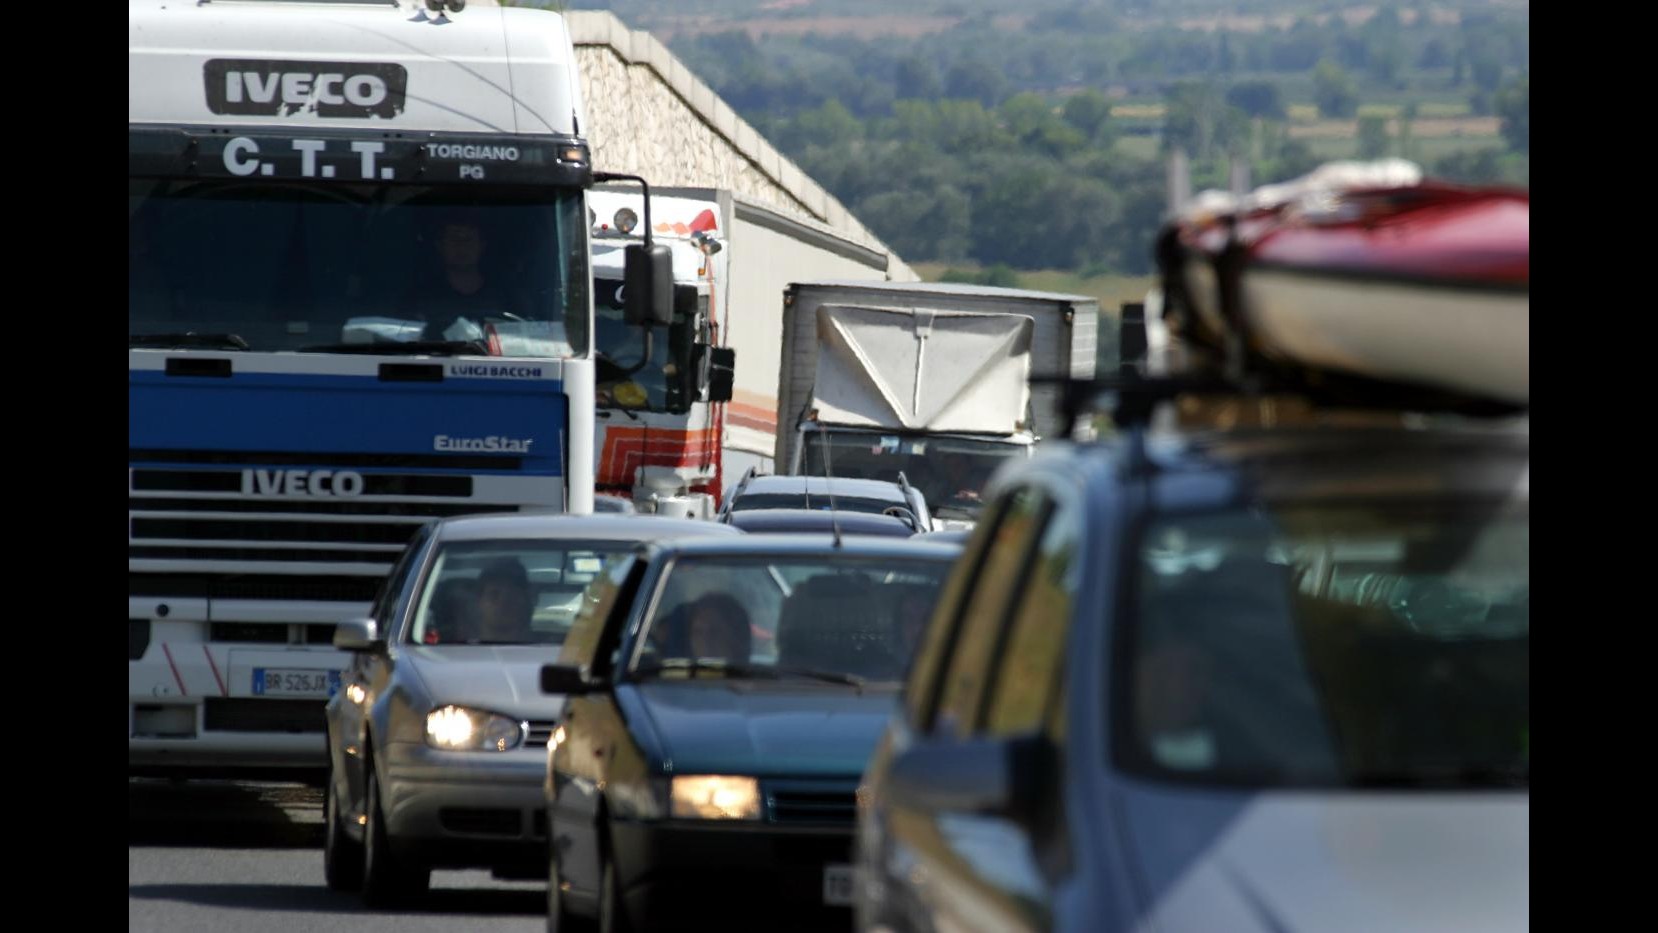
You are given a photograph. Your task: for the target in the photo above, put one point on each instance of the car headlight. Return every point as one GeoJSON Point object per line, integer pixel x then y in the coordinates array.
{"type": "Point", "coordinates": [456, 728]}
{"type": "Point", "coordinates": [715, 797]}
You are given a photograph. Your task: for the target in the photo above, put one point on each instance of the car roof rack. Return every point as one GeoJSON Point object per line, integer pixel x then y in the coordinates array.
{"type": "Point", "coordinates": [1131, 396]}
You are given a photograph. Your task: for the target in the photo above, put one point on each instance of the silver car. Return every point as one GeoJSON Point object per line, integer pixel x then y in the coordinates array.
{"type": "Point", "coordinates": [437, 737]}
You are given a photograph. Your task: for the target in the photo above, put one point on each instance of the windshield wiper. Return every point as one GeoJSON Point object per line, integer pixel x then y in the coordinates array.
{"type": "Point", "coordinates": [404, 348]}
{"type": "Point", "coordinates": [834, 677]}
{"type": "Point", "coordinates": [1473, 776]}
{"type": "Point", "coordinates": [692, 665]}
{"type": "Point", "coordinates": [688, 665]}
{"type": "Point", "coordinates": [183, 341]}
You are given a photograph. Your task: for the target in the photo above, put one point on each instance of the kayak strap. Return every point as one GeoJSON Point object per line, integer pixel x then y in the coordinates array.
{"type": "Point", "coordinates": [1229, 268]}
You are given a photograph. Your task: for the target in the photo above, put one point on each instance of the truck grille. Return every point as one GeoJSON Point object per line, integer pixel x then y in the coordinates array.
{"type": "Point", "coordinates": [238, 714]}
{"type": "Point", "coordinates": [193, 511]}
{"type": "Point", "coordinates": [811, 805]}
{"type": "Point", "coordinates": [335, 589]}
{"type": "Point", "coordinates": [540, 734]}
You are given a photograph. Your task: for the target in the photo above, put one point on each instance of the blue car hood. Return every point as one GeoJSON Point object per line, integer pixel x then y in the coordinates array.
{"type": "Point", "coordinates": [767, 728]}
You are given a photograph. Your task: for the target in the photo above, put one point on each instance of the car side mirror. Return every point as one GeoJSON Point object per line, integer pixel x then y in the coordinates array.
{"type": "Point", "coordinates": [648, 285]}
{"type": "Point", "coordinates": [567, 680]}
{"type": "Point", "coordinates": [358, 635]}
{"type": "Point", "coordinates": [994, 777]}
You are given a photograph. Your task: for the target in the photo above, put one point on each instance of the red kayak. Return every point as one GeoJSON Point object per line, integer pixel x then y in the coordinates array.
{"type": "Point", "coordinates": [1424, 283]}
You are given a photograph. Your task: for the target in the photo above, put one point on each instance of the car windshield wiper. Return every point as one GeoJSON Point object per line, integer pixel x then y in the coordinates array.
{"type": "Point", "coordinates": [688, 665]}
{"type": "Point", "coordinates": [404, 348]}
{"type": "Point", "coordinates": [692, 665]}
{"type": "Point", "coordinates": [1476, 776]}
{"type": "Point", "coordinates": [834, 677]}
{"type": "Point", "coordinates": [190, 341]}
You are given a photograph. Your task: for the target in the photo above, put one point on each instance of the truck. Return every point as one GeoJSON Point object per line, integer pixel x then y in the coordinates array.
{"type": "Point", "coordinates": [359, 299]}
{"type": "Point", "coordinates": [931, 381]}
{"type": "Point", "coordinates": [677, 432]}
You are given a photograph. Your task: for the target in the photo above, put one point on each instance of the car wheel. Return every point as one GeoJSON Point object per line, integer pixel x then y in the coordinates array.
{"type": "Point", "coordinates": [613, 915]}
{"type": "Point", "coordinates": [342, 856]}
{"type": "Point", "coordinates": [387, 881]}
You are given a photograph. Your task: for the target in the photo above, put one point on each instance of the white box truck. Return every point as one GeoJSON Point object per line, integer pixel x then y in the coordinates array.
{"type": "Point", "coordinates": [928, 379]}
{"type": "Point", "coordinates": [675, 432]}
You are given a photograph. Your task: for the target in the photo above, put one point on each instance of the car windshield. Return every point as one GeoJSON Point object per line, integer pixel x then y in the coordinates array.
{"type": "Point", "coordinates": [950, 472]}
{"type": "Point", "coordinates": [1359, 646]}
{"type": "Point", "coordinates": [852, 618]}
{"type": "Point", "coordinates": [507, 592]}
{"type": "Point", "coordinates": [337, 267]}
{"type": "Point", "coordinates": [750, 501]}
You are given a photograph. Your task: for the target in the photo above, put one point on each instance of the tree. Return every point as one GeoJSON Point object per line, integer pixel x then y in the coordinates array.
{"type": "Point", "coordinates": [917, 79]}
{"type": "Point", "coordinates": [1033, 123]}
{"type": "Point", "coordinates": [1384, 47]}
{"type": "Point", "coordinates": [1479, 167]}
{"type": "Point", "coordinates": [1487, 69]}
{"type": "Point", "coordinates": [1089, 112]}
{"type": "Point", "coordinates": [976, 79]}
{"type": "Point", "coordinates": [1373, 138]}
{"type": "Point", "coordinates": [1257, 98]}
{"type": "Point", "coordinates": [1333, 90]}
{"type": "Point", "coordinates": [1407, 123]}
{"type": "Point", "coordinates": [1226, 61]}
{"type": "Point", "coordinates": [923, 225]}
{"type": "Point", "coordinates": [829, 125]}
{"type": "Point", "coordinates": [1434, 55]}
{"type": "Point", "coordinates": [1513, 104]}
{"type": "Point", "coordinates": [1191, 110]}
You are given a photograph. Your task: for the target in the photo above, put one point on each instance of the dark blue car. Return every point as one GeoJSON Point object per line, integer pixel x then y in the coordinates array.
{"type": "Point", "coordinates": [724, 698]}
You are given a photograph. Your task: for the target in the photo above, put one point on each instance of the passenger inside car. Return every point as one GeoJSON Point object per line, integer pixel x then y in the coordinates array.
{"type": "Point", "coordinates": [505, 604]}
{"type": "Point", "coordinates": [914, 606]}
{"type": "Point", "coordinates": [453, 615]}
{"type": "Point", "coordinates": [1212, 685]}
{"type": "Point", "coordinates": [717, 626]}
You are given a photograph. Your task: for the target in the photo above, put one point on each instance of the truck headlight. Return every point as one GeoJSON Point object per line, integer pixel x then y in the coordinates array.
{"type": "Point", "coordinates": [715, 797]}
{"type": "Point", "coordinates": [456, 728]}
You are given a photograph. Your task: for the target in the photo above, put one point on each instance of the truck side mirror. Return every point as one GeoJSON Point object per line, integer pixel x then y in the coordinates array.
{"type": "Point", "coordinates": [648, 285]}
{"type": "Point", "coordinates": [1131, 341]}
{"type": "Point", "coordinates": [722, 372]}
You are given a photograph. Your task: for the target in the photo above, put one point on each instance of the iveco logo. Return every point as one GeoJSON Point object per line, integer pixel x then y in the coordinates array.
{"type": "Point", "coordinates": [324, 89]}
{"type": "Point", "coordinates": [301, 483]}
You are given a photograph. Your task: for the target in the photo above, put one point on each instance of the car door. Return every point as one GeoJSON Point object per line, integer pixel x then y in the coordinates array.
{"type": "Point", "coordinates": [1014, 861]}
{"type": "Point", "coordinates": [940, 882]}
{"type": "Point", "coordinates": [577, 766]}
{"type": "Point", "coordinates": [366, 673]}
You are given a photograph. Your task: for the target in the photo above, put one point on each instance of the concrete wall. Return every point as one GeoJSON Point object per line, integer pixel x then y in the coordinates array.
{"type": "Point", "coordinates": [648, 115]}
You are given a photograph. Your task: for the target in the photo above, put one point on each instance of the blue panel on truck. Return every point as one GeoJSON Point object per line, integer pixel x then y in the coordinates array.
{"type": "Point", "coordinates": [325, 414]}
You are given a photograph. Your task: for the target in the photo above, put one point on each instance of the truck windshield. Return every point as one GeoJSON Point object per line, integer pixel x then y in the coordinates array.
{"type": "Point", "coordinates": [950, 472]}
{"type": "Point", "coordinates": [667, 382]}
{"type": "Point", "coordinates": [338, 267]}
{"type": "Point", "coordinates": [1356, 646]}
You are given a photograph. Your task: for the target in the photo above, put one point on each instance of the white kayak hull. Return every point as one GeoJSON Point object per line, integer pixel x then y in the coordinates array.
{"type": "Point", "coordinates": [1452, 337]}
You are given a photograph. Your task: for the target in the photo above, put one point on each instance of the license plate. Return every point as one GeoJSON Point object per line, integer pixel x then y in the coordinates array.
{"type": "Point", "coordinates": [294, 682]}
{"type": "Point", "coordinates": [837, 885]}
